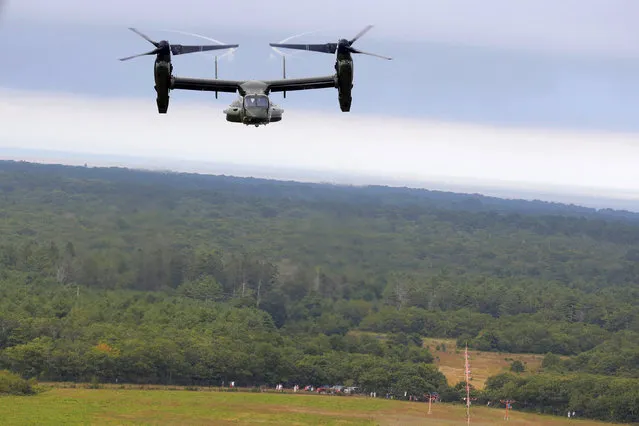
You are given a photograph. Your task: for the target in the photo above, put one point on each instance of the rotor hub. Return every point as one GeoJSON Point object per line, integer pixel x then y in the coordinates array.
{"type": "Point", "coordinates": [343, 46]}
{"type": "Point", "coordinates": [164, 47]}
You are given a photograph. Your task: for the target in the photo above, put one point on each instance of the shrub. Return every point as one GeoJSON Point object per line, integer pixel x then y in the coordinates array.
{"type": "Point", "coordinates": [11, 384]}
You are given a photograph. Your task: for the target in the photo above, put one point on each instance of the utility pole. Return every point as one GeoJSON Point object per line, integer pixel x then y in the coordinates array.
{"type": "Point", "coordinates": [432, 396]}
{"type": "Point", "coordinates": [467, 377]}
{"type": "Point", "coordinates": [468, 400]}
{"type": "Point", "coordinates": [508, 403]}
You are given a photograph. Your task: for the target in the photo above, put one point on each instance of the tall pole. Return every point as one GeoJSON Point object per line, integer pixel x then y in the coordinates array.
{"type": "Point", "coordinates": [508, 403]}
{"type": "Point", "coordinates": [431, 397]}
{"type": "Point", "coordinates": [467, 377]}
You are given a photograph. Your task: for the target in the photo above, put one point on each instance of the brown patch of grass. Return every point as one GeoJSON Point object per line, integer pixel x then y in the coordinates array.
{"type": "Point", "coordinates": [482, 364]}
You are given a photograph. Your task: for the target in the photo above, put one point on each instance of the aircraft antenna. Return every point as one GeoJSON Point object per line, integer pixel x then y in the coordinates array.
{"type": "Point", "coordinates": [216, 74]}
{"type": "Point", "coordinates": [284, 71]}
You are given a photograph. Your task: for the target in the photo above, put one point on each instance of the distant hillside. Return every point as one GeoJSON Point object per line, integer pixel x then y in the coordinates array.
{"type": "Point", "coordinates": [317, 192]}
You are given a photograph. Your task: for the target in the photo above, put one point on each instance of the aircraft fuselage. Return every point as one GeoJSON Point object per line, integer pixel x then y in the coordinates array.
{"type": "Point", "coordinates": [253, 110]}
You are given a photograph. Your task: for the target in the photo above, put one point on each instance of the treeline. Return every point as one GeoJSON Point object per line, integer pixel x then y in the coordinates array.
{"type": "Point", "coordinates": [51, 177]}
{"type": "Point", "coordinates": [594, 397]}
{"type": "Point", "coordinates": [363, 231]}
{"type": "Point", "coordinates": [522, 333]}
{"type": "Point", "coordinates": [55, 334]}
{"type": "Point", "coordinates": [489, 314]}
{"type": "Point", "coordinates": [617, 356]}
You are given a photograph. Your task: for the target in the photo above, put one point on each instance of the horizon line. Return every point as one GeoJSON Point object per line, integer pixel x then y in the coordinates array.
{"type": "Point", "coordinates": [508, 190]}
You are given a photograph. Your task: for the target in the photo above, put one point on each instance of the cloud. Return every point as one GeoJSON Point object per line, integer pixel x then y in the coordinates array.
{"type": "Point", "coordinates": [582, 26]}
{"type": "Point", "coordinates": [425, 79]}
{"type": "Point", "coordinates": [592, 163]}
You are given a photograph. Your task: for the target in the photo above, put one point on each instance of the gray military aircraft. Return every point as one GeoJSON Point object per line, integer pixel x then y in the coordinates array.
{"type": "Point", "coordinates": [253, 107]}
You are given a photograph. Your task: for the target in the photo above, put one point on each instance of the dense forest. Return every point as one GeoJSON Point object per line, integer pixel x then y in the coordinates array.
{"type": "Point", "coordinates": [112, 274]}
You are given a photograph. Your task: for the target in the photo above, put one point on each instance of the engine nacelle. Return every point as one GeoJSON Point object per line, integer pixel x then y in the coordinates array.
{"type": "Point", "coordinates": [344, 69]}
{"type": "Point", "coordinates": [233, 114]}
{"type": "Point", "coordinates": [162, 74]}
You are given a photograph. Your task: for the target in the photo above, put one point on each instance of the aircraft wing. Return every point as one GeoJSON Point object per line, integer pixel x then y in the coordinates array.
{"type": "Point", "coordinates": [205, 84]}
{"type": "Point", "coordinates": [291, 84]}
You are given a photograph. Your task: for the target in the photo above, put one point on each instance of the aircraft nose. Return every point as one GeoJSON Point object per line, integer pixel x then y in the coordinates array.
{"type": "Point", "coordinates": [257, 112]}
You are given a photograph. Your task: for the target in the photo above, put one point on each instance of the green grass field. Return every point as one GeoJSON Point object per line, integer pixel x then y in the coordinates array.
{"type": "Point", "coordinates": [71, 406]}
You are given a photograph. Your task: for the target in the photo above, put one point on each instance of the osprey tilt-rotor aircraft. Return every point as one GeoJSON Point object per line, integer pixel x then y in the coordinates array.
{"type": "Point", "coordinates": [253, 107]}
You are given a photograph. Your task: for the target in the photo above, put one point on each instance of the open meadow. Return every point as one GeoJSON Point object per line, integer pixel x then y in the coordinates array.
{"type": "Point", "coordinates": [70, 406]}
{"type": "Point", "coordinates": [450, 361]}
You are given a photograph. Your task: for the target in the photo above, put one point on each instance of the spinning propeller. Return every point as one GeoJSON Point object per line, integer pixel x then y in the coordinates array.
{"type": "Point", "coordinates": [230, 53]}
{"type": "Point", "coordinates": [164, 48]}
{"type": "Point", "coordinates": [342, 46]}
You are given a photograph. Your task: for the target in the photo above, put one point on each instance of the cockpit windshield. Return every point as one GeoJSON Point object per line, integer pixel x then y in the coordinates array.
{"type": "Point", "coordinates": [256, 101]}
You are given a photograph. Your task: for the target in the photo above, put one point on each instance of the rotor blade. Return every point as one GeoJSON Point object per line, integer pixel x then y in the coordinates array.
{"type": "Point", "coordinates": [194, 35]}
{"type": "Point", "coordinates": [152, 52]}
{"type": "Point", "coordinates": [299, 35]}
{"type": "Point", "coordinates": [279, 52]}
{"type": "Point", "coordinates": [154, 43]}
{"type": "Point", "coordinates": [361, 33]}
{"type": "Point", "coordinates": [368, 53]}
{"type": "Point", "coordinates": [229, 53]}
{"type": "Point", "coordinates": [179, 49]}
{"type": "Point", "coordinates": [323, 48]}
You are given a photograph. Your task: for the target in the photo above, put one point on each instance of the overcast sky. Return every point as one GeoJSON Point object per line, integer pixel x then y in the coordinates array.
{"type": "Point", "coordinates": [604, 27]}
{"type": "Point", "coordinates": [544, 92]}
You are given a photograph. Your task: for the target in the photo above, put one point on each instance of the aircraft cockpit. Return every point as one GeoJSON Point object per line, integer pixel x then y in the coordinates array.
{"type": "Point", "coordinates": [256, 101]}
